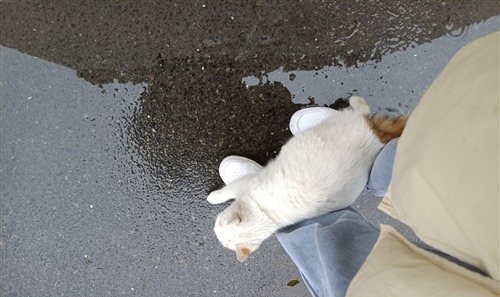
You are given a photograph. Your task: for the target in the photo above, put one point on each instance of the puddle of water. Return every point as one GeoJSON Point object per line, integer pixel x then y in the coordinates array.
{"type": "Point", "coordinates": [399, 79]}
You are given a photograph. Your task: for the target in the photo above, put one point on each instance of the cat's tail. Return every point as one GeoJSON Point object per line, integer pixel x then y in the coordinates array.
{"type": "Point", "coordinates": [385, 127]}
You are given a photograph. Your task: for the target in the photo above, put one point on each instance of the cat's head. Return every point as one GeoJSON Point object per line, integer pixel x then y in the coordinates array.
{"type": "Point", "coordinates": [242, 228]}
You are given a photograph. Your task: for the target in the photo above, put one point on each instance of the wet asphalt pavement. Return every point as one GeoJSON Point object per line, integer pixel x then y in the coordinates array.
{"type": "Point", "coordinates": [115, 115]}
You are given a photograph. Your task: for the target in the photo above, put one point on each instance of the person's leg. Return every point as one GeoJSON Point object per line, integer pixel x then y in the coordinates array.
{"type": "Point", "coordinates": [329, 250]}
{"type": "Point", "coordinates": [381, 172]}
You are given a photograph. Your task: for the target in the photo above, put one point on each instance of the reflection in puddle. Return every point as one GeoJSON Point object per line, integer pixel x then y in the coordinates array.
{"type": "Point", "coordinates": [400, 77]}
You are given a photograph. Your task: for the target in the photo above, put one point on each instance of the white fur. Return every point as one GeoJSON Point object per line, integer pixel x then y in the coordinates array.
{"type": "Point", "coordinates": [318, 171]}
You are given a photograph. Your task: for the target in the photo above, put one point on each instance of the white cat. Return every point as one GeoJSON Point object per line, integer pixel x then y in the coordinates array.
{"type": "Point", "coordinates": [318, 171]}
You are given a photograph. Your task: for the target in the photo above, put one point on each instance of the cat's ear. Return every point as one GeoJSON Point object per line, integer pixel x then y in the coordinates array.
{"type": "Point", "coordinates": [244, 251]}
{"type": "Point", "coordinates": [359, 104]}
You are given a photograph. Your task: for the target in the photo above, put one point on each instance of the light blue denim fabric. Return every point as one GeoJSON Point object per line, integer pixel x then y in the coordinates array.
{"type": "Point", "coordinates": [329, 250]}
{"type": "Point", "coordinates": [381, 173]}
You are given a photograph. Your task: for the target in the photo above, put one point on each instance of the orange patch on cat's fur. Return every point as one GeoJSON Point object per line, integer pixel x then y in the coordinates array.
{"type": "Point", "coordinates": [386, 128]}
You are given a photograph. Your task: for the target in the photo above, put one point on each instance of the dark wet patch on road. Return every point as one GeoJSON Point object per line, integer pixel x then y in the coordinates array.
{"type": "Point", "coordinates": [107, 40]}
{"type": "Point", "coordinates": [196, 111]}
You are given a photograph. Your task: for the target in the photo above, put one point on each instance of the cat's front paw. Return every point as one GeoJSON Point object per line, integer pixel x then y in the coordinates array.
{"type": "Point", "coordinates": [217, 197]}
